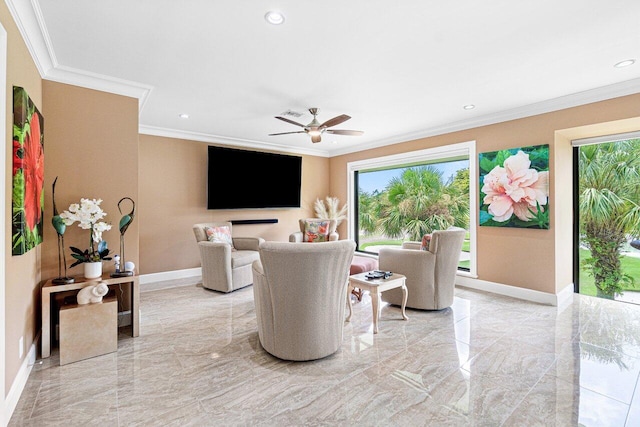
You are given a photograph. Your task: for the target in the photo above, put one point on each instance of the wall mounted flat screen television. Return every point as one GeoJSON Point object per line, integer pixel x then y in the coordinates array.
{"type": "Point", "coordinates": [242, 179]}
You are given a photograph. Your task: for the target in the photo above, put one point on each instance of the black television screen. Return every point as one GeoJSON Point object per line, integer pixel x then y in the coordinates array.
{"type": "Point", "coordinates": [242, 179]}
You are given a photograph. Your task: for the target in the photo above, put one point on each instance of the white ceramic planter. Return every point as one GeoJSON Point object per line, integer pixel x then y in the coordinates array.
{"type": "Point", "coordinates": [92, 270]}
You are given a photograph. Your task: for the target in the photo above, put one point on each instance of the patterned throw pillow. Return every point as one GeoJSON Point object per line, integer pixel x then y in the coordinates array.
{"type": "Point", "coordinates": [220, 234]}
{"type": "Point", "coordinates": [316, 231]}
{"type": "Point", "coordinates": [426, 241]}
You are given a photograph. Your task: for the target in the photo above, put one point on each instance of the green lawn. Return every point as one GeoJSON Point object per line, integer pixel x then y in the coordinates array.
{"type": "Point", "coordinates": [630, 266]}
{"type": "Point", "coordinates": [364, 246]}
{"type": "Point", "coordinates": [465, 247]}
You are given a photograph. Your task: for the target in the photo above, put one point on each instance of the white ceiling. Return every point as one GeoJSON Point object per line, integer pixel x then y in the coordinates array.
{"type": "Point", "coordinates": [400, 69]}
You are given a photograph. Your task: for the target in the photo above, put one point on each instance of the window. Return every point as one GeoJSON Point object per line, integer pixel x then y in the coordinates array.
{"type": "Point", "coordinates": [606, 204]}
{"type": "Point", "coordinates": [401, 197]}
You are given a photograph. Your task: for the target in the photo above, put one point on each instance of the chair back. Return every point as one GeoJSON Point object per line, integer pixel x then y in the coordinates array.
{"type": "Point", "coordinates": [199, 229]}
{"type": "Point", "coordinates": [299, 292]}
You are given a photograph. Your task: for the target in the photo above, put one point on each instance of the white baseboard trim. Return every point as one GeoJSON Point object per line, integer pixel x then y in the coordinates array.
{"type": "Point", "coordinates": [19, 382]}
{"type": "Point", "coordinates": [170, 275]}
{"type": "Point", "coordinates": [565, 296]}
{"type": "Point", "coordinates": [560, 299]}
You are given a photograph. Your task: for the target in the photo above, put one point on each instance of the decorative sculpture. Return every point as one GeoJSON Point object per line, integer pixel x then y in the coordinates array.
{"type": "Point", "coordinates": [92, 294]}
{"type": "Point", "coordinates": [60, 227]}
{"type": "Point", "coordinates": [125, 222]}
{"type": "Point", "coordinates": [129, 266]}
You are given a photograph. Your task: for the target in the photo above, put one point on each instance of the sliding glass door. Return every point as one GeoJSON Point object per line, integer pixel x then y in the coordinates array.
{"type": "Point", "coordinates": [607, 182]}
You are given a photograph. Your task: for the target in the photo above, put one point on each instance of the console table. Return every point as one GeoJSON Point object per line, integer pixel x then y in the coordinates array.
{"type": "Point", "coordinates": [49, 288]}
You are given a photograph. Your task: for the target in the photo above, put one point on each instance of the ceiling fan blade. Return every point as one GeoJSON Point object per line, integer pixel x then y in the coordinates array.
{"type": "Point", "coordinates": [335, 121]}
{"type": "Point", "coordinates": [284, 119]}
{"type": "Point", "coordinates": [316, 138]}
{"type": "Point", "coordinates": [286, 133]}
{"type": "Point", "coordinates": [345, 132]}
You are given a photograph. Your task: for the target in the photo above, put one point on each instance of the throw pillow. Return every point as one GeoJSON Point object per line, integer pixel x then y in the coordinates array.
{"type": "Point", "coordinates": [316, 231]}
{"type": "Point", "coordinates": [220, 234]}
{"type": "Point", "coordinates": [426, 241]}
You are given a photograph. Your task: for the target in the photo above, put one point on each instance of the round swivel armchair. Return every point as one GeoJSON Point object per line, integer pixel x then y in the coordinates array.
{"type": "Point", "coordinates": [300, 296]}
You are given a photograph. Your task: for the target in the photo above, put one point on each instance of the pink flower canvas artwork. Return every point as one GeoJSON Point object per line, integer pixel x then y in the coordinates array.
{"type": "Point", "coordinates": [514, 187]}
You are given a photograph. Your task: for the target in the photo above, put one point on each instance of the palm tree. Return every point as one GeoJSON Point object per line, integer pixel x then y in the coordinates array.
{"type": "Point", "coordinates": [419, 202]}
{"type": "Point", "coordinates": [609, 187]}
{"type": "Point", "coordinates": [368, 211]}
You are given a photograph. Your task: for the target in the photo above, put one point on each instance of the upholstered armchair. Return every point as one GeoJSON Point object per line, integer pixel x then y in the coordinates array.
{"type": "Point", "coordinates": [430, 272]}
{"type": "Point", "coordinates": [226, 260]}
{"type": "Point", "coordinates": [315, 230]}
{"type": "Point", "coordinates": [299, 292]}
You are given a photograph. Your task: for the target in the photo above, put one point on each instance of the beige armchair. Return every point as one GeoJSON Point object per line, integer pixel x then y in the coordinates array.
{"type": "Point", "coordinates": [225, 267]}
{"type": "Point", "coordinates": [309, 230]}
{"type": "Point", "coordinates": [430, 273]}
{"type": "Point", "coordinates": [299, 292]}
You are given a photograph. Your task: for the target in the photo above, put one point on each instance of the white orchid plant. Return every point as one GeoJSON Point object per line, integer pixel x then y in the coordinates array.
{"type": "Point", "coordinates": [330, 209]}
{"type": "Point", "coordinates": [88, 214]}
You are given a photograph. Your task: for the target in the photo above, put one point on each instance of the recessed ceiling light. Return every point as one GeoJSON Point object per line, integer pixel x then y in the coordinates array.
{"type": "Point", "coordinates": [274, 17]}
{"type": "Point", "coordinates": [469, 107]}
{"type": "Point", "coordinates": [183, 116]}
{"type": "Point", "coordinates": [625, 63]}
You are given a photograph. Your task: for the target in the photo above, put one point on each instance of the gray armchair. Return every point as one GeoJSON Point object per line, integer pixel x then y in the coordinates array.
{"type": "Point", "coordinates": [430, 273]}
{"type": "Point", "coordinates": [226, 268]}
{"type": "Point", "coordinates": [299, 292]}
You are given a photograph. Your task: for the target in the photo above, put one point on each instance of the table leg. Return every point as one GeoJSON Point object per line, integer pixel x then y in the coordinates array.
{"type": "Point", "coordinates": [135, 307]}
{"type": "Point", "coordinates": [46, 323]}
{"type": "Point", "coordinates": [349, 289]}
{"type": "Point", "coordinates": [404, 301]}
{"type": "Point", "coordinates": [375, 304]}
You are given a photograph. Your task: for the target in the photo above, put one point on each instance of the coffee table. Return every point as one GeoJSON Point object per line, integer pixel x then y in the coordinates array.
{"type": "Point", "coordinates": [375, 288]}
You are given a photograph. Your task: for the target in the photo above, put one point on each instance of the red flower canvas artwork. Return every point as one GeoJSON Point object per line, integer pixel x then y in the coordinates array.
{"type": "Point", "coordinates": [28, 173]}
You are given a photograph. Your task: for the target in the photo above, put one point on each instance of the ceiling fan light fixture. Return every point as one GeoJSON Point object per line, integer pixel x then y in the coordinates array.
{"type": "Point", "coordinates": [315, 129]}
{"type": "Point", "coordinates": [274, 17]}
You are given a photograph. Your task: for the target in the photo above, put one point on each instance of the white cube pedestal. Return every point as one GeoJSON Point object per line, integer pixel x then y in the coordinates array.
{"type": "Point", "coordinates": [88, 330]}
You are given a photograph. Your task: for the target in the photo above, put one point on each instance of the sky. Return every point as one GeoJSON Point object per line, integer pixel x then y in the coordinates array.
{"type": "Point", "coordinates": [378, 180]}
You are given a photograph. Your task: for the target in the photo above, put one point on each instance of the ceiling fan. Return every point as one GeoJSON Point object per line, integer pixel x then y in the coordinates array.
{"type": "Point", "coordinates": [315, 129]}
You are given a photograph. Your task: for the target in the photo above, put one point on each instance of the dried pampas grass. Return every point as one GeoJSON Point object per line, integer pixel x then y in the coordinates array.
{"type": "Point", "coordinates": [329, 209]}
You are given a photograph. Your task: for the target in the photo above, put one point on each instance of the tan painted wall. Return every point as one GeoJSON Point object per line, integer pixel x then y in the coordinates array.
{"type": "Point", "coordinates": [92, 143]}
{"type": "Point", "coordinates": [22, 273]}
{"type": "Point", "coordinates": [532, 259]}
{"type": "Point", "coordinates": [173, 182]}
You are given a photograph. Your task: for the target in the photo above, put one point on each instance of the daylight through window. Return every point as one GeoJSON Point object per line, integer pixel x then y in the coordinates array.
{"type": "Point", "coordinates": [403, 197]}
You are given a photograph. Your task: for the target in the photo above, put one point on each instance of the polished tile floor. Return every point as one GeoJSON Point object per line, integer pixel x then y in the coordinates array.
{"type": "Point", "coordinates": [487, 361]}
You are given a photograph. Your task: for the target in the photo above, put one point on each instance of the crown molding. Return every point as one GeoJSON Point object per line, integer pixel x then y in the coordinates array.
{"type": "Point", "coordinates": [86, 79]}
{"type": "Point", "coordinates": [225, 140]}
{"type": "Point", "coordinates": [28, 17]}
{"type": "Point", "coordinates": [603, 93]}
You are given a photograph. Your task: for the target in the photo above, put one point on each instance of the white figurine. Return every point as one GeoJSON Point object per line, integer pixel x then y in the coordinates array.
{"type": "Point", "coordinates": [116, 260]}
{"type": "Point", "coordinates": [92, 293]}
{"type": "Point", "coordinates": [129, 266]}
